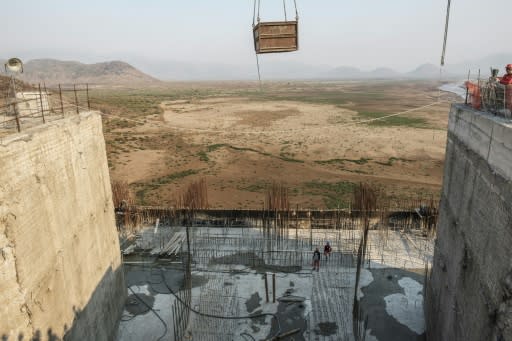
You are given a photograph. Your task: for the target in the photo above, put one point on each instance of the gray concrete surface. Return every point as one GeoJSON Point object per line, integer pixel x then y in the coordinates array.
{"type": "Point", "coordinates": [469, 295]}
{"type": "Point", "coordinates": [228, 280]}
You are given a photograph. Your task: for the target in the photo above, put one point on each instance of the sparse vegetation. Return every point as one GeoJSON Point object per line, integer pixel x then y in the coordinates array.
{"type": "Point", "coordinates": [153, 184]}
{"type": "Point", "coordinates": [335, 194]}
{"type": "Point", "coordinates": [360, 161]}
{"type": "Point", "coordinates": [413, 122]}
{"type": "Point", "coordinates": [392, 160]}
{"type": "Point", "coordinates": [141, 138]}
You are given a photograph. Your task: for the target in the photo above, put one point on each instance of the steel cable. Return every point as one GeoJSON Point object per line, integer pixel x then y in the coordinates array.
{"type": "Point", "coordinates": [446, 32]}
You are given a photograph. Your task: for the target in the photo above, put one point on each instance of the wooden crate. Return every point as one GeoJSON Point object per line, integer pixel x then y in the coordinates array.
{"type": "Point", "coordinates": [276, 36]}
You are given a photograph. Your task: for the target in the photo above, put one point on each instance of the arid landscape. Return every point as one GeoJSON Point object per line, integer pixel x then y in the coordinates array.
{"type": "Point", "coordinates": [316, 138]}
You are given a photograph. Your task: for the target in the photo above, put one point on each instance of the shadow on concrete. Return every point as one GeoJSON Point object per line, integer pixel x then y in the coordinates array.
{"type": "Point", "coordinates": [38, 336]}
{"type": "Point", "coordinates": [98, 320]}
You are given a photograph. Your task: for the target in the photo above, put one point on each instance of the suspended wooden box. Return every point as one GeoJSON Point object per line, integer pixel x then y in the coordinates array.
{"type": "Point", "coordinates": [276, 36]}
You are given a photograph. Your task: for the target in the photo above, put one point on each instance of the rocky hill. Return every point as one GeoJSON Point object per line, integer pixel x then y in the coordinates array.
{"type": "Point", "coordinates": [54, 72]}
{"type": "Point", "coordinates": [5, 83]}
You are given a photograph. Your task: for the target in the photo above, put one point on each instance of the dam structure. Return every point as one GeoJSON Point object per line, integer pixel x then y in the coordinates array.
{"type": "Point", "coordinates": [228, 274]}
{"type": "Point", "coordinates": [60, 266]}
{"type": "Point", "coordinates": [469, 294]}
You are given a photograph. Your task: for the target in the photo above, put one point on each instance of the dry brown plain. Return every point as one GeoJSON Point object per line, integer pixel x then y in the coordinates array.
{"type": "Point", "coordinates": [310, 136]}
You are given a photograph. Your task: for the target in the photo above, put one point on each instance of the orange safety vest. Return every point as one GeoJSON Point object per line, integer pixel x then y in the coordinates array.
{"type": "Point", "coordinates": [474, 91]}
{"type": "Point", "coordinates": [506, 80]}
{"type": "Point", "coordinates": [508, 97]}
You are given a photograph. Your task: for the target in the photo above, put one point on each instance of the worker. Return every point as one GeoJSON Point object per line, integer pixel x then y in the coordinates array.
{"type": "Point", "coordinates": [507, 78]}
{"type": "Point", "coordinates": [507, 81]}
{"type": "Point", "coordinates": [327, 250]}
{"type": "Point", "coordinates": [316, 260]}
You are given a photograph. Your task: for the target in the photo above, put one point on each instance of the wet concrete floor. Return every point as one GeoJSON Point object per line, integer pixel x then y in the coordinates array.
{"type": "Point", "coordinates": [382, 325]}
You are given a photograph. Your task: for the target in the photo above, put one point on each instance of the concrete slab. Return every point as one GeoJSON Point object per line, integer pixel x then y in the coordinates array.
{"type": "Point", "coordinates": [228, 279]}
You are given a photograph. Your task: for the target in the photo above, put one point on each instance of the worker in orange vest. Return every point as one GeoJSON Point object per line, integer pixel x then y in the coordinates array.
{"type": "Point", "coordinates": [507, 81]}
{"type": "Point", "coordinates": [507, 78]}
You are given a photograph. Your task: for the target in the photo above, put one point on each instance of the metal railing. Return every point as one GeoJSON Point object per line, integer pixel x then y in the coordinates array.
{"type": "Point", "coordinates": [41, 105]}
{"type": "Point", "coordinates": [490, 96]}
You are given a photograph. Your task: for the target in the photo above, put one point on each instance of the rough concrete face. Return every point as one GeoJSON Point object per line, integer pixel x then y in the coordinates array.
{"type": "Point", "coordinates": [469, 296]}
{"type": "Point", "coordinates": [60, 265]}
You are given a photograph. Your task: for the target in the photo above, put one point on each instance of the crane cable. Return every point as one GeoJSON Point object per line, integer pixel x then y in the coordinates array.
{"type": "Point", "coordinates": [254, 17]}
{"type": "Point", "coordinates": [296, 11]}
{"type": "Point", "coordinates": [253, 25]}
{"type": "Point", "coordinates": [444, 49]}
{"type": "Point", "coordinates": [446, 32]}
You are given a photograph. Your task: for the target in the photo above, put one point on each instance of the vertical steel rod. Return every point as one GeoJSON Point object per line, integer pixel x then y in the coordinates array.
{"type": "Point", "coordinates": [274, 288]}
{"type": "Point", "coordinates": [61, 104]}
{"type": "Point", "coordinates": [266, 286]}
{"type": "Point", "coordinates": [87, 91]}
{"type": "Point", "coordinates": [41, 102]}
{"type": "Point", "coordinates": [76, 99]}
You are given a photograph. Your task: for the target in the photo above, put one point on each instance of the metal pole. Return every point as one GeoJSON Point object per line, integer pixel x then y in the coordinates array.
{"type": "Point", "coordinates": [14, 103]}
{"type": "Point", "coordinates": [88, 101]}
{"type": "Point", "coordinates": [17, 117]}
{"type": "Point", "coordinates": [50, 107]}
{"type": "Point", "coordinates": [61, 104]}
{"type": "Point", "coordinates": [175, 321]}
{"type": "Point", "coordinates": [266, 286]}
{"type": "Point", "coordinates": [310, 231]}
{"type": "Point", "coordinates": [76, 99]}
{"type": "Point", "coordinates": [274, 288]}
{"type": "Point", "coordinates": [41, 102]}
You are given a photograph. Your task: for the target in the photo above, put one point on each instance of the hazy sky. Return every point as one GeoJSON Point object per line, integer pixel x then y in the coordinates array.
{"type": "Point", "coordinates": [400, 34]}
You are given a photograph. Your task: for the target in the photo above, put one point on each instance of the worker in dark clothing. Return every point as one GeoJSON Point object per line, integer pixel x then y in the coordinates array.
{"type": "Point", "coordinates": [316, 260]}
{"type": "Point", "coordinates": [327, 251]}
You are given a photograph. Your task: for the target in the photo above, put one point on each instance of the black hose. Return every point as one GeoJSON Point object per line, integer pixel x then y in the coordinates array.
{"type": "Point", "coordinates": [246, 334]}
{"type": "Point", "coordinates": [218, 316]}
{"type": "Point", "coordinates": [154, 312]}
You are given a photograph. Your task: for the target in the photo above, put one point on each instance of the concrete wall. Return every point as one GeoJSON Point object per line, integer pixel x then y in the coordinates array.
{"type": "Point", "coordinates": [469, 296]}
{"type": "Point", "coordinates": [60, 266]}
{"type": "Point", "coordinates": [31, 104]}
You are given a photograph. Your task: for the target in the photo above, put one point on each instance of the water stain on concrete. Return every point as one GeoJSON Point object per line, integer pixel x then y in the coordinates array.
{"type": "Point", "coordinates": [383, 326]}
{"type": "Point", "coordinates": [326, 328]}
{"type": "Point", "coordinates": [253, 302]}
{"type": "Point", "coordinates": [291, 316]}
{"type": "Point", "coordinates": [253, 261]}
{"type": "Point", "coordinates": [198, 280]}
{"type": "Point", "coordinates": [134, 305]}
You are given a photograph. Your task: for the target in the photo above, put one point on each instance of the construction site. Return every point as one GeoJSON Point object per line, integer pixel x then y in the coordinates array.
{"type": "Point", "coordinates": [246, 274]}
{"type": "Point", "coordinates": [299, 210]}
{"type": "Point", "coordinates": [193, 273]}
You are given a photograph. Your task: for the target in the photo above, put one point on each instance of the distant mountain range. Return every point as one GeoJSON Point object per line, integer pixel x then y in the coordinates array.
{"type": "Point", "coordinates": [272, 70]}
{"type": "Point", "coordinates": [121, 73]}
{"type": "Point", "coordinates": [54, 72]}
